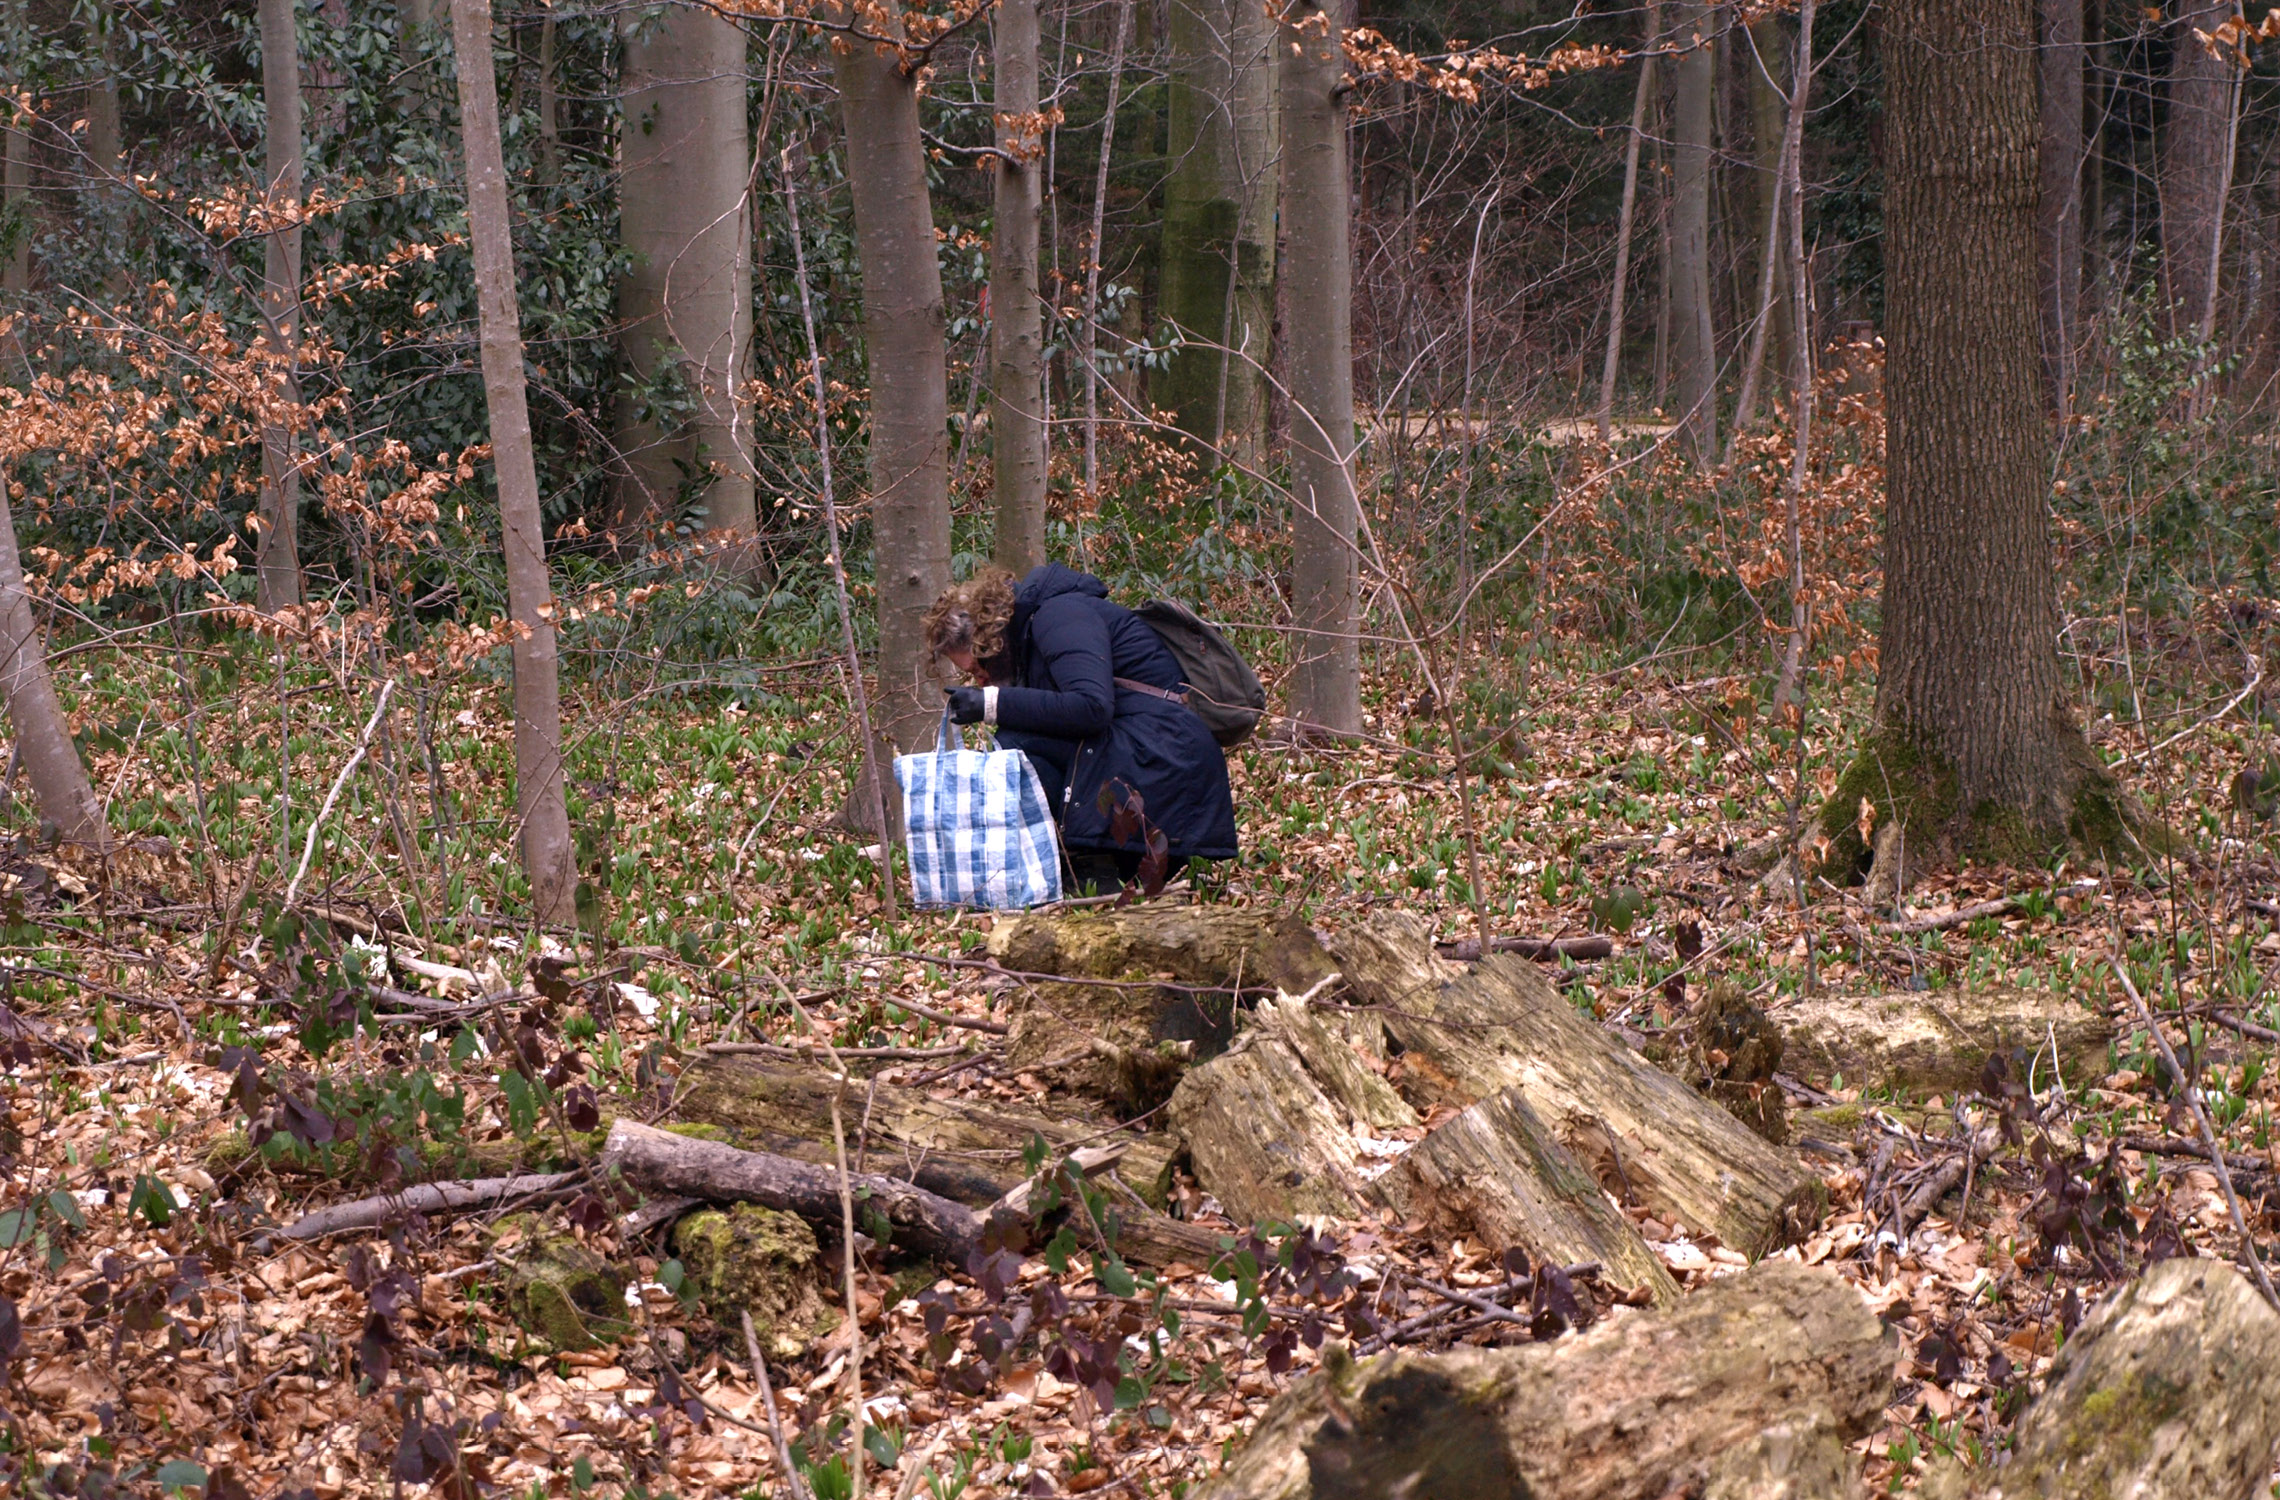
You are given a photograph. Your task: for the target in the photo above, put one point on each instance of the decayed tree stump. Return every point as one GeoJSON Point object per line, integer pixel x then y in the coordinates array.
{"type": "Point", "coordinates": [962, 1150]}
{"type": "Point", "coordinates": [1496, 1173]}
{"type": "Point", "coordinates": [1748, 1390]}
{"type": "Point", "coordinates": [1122, 1038]}
{"type": "Point", "coordinates": [2169, 1391]}
{"type": "Point", "coordinates": [1467, 1034]}
{"type": "Point", "coordinates": [1936, 1042]}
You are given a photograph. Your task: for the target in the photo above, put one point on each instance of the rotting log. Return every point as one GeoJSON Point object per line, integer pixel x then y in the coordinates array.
{"type": "Point", "coordinates": [1466, 1034]}
{"type": "Point", "coordinates": [2170, 1390]}
{"type": "Point", "coordinates": [1747, 1390]}
{"type": "Point", "coordinates": [1496, 1174]}
{"type": "Point", "coordinates": [1937, 1041]}
{"type": "Point", "coordinates": [1149, 989]}
{"type": "Point", "coordinates": [659, 1161]}
{"type": "Point", "coordinates": [957, 1148]}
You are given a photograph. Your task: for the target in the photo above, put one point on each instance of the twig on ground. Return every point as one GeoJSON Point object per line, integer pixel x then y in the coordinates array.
{"type": "Point", "coordinates": [2216, 1153]}
{"type": "Point", "coordinates": [780, 1049]}
{"type": "Point", "coordinates": [317, 824]}
{"type": "Point", "coordinates": [2000, 907]}
{"type": "Point", "coordinates": [792, 1484]}
{"type": "Point", "coordinates": [426, 1198]}
{"type": "Point", "coordinates": [2172, 1146]}
{"type": "Point", "coordinates": [1581, 948]}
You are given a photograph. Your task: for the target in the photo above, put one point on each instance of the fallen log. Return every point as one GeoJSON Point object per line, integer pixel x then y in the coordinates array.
{"type": "Point", "coordinates": [658, 1161]}
{"type": "Point", "coordinates": [1467, 1034]}
{"type": "Point", "coordinates": [1201, 945]}
{"type": "Point", "coordinates": [2170, 1390]}
{"type": "Point", "coordinates": [1583, 949]}
{"type": "Point", "coordinates": [426, 1198]}
{"type": "Point", "coordinates": [1751, 1388]}
{"type": "Point", "coordinates": [962, 1150]}
{"type": "Point", "coordinates": [1937, 1041]}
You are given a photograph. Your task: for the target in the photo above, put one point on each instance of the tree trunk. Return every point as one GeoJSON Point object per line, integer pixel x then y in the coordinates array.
{"type": "Point", "coordinates": [1217, 282]}
{"type": "Point", "coordinates": [541, 808]}
{"type": "Point", "coordinates": [2197, 140]}
{"type": "Point", "coordinates": [43, 732]}
{"type": "Point", "coordinates": [2169, 1391]}
{"type": "Point", "coordinates": [1749, 1389]}
{"type": "Point", "coordinates": [1326, 679]}
{"type": "Point", "coordinates": [1967, 692]}
{"type": "Point", "coordinates": [686, 298]}
{"type": "Point", "coordinates": [1694, 342]}
{"type": "Point", "coordinates": [550, 115]}
{"type": "Point", "coordinates": [15, 209]}
{"type": "Point", "coordinates": [902, 334]}
{"type": "Point", "coordinates": [1769, 84]}
{"type": "Point", "coordinates": [1017, 334]}
{"type": "Point", "coordinates": [277, 556]}
{"type": "Point", "coordinates": [106, 170]}
{"type": "Point", "coordinates": [1618, 292]}
{"type": "Point", "coordinates": [2060, 230]}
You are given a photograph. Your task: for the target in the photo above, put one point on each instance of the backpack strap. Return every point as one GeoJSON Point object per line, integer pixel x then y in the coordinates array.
{"type": "Point", "coordinates": [1151, 690]}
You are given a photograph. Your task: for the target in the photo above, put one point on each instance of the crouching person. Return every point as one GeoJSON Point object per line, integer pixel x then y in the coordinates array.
{"type": "Point", "coordinates": [1092, 695]}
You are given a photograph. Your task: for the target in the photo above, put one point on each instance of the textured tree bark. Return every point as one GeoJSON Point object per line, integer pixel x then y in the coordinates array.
{"type": "Point", "coordinates": [1326, 679]}
{"type": "Point", "coordinates": [2169, 1391]}
{"type": "Point", "coordinates": [43, 731]}
{"type": "Point", "coordinates": [686, 297]}
{"type": "Point", "coordinates": [902, 333]}
{"type": "Point", "coordinates": [1694, 342]}
{"type": "Point", "coordinates": [2197, 142]}
{"type": "Point", "coordinates": [277, 558]}
{"type": "Point", "coordinates": [1218, 252]}
{"type": "Point", "coordinates": [1967, 691]}
{"type": "Point", "coordinates": [1467, 1034]}
{"type": "Point", "coordinates": [2059, 76]}
{"type": "Point", "coordinates": [1018, 412]}
{"type": "Point", "coordinates": [1748, 1390]}
{"type": "Point", "coordinates": [541, 807]}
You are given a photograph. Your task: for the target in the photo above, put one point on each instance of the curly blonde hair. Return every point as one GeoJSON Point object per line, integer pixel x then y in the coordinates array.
{"type": "Point", "coordinates": [972, 616]}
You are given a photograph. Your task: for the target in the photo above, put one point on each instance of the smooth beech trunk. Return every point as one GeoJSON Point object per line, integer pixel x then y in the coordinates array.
{"type": "Point", "coordinates": [1968, 679]}
{"type": "Point", "coordinates": [103, 142]}
{"type": "Point", "coordinates": [686, 297]}
{"type": "Point", "coordinates": [548, 857]}
{"type": "Point", "coordinates": [1326, 681]}
{"type": "Point", "coordinates": [2197, 141]}
{"type": "Point", "coordinates": [1017, 327]}
{"type": "Point", "coordinates": [1694, 343]}
{"type": "Point", "coordinates": [1219, 220]}
{"type": "Point", "coordinates": [903, 336]}
{"type": "Point", "coordinates": [1621, 289]}
{"type": "Point", "coordinates": [2059, 234]}
{"type": "Point", "coordinates": [277, 553]}
{"type": "Point", "coordinates": [66, 800]}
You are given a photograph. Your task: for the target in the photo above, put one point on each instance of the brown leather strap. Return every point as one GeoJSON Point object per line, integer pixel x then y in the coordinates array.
{"type": "Point", "coordinates": [1151, 690]}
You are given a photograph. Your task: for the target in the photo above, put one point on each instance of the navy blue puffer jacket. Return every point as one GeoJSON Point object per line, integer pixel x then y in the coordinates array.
{"type": "Point", "coordinates": [1069, 644]}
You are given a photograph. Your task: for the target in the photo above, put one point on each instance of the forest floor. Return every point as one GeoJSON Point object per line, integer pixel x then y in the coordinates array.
{"type": "Point", "coordinates": [165, 1335]}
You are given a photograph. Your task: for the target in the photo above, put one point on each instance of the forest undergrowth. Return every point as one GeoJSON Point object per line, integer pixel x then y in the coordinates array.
{"type": "Point", "coordinates": [301, 979]}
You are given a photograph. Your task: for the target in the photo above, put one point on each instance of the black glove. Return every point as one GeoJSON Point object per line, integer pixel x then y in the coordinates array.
{"type": "Point", "coordinates": [965, 704]}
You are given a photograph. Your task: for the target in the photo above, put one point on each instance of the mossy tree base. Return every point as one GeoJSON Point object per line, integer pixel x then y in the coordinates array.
{"type": "Point", "coordinates": [1899, 801]}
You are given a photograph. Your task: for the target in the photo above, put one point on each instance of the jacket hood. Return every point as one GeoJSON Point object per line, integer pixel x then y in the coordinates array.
{"type": "Point", "coordinates": [1051, 580]}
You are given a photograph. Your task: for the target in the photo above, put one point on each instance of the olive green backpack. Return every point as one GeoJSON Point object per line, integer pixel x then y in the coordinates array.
{"type": "Point", "coordinates": [1223, 691]}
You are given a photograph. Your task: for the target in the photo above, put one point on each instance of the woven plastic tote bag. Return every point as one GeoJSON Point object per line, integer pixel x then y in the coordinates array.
{"type": "Point", "coordinates": [979, 828]}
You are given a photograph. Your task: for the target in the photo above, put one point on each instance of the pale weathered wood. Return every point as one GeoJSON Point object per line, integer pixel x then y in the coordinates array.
{"type": "Point", "coordinates": [1212, 945]}
{"type": "Point", "coordinates": [1747, 1390]}
{"type": "Point", "coordinates": [959, 1148]}
{"type": "Point", "coordinates": [1937, 1041]}
{"type": "Point", "coordinates": [1648, 1137]}
{"type": "Point", "coordinates": [1497, 1175]}
{"type": "Point", "coordinates": [2169, 1391]}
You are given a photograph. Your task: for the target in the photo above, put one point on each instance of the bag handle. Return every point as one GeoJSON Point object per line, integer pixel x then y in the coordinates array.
{"type": "Point", "coordinates": [947, 737]}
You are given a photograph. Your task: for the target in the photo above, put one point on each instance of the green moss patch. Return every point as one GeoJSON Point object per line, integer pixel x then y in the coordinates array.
{"type": "Point", "coordinates": [559, 1291]}
{"type": "Point", "coordinates": [757, 1260]}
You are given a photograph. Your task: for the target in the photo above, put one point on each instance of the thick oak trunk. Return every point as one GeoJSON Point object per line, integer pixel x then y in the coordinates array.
{"type": "Point", "coordinates": [1217, 282]}
{"type": "Point", "coordinates": [685, 302]}
{"type": "Point", "coordinates": [1968, 684]}
{"type": "Point", "coordinates": [2170, 1391]}
{"type": "Point", "coordinates": [277, 559]}
{"type": "Point", "coordinates": [1326, 679]}
{"type": "Point", "coordinates": [1748, 1390]}
{"type": "Point", "coordinates": [1018, 412]}
{"type": "Point", "coordinates": [902, 334]}
{"type": "Point", "coordinates": [541, 807]}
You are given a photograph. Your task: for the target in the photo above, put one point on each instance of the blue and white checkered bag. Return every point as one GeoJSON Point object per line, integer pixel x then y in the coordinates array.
{"type": "Point", "coordinates": [980, 831]}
